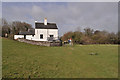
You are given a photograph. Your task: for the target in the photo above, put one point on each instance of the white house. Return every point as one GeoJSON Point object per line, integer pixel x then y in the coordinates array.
{"type": "Point", "coordinates": [42, 32]}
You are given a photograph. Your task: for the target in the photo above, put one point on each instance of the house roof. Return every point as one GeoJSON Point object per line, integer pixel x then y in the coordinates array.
{"type": "Point", "coordinates": [29, 32]}
{"type": "Point", "coordinates": [48, 26]}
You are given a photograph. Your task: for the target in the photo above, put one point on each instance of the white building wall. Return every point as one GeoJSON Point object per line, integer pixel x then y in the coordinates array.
{"type": "Point", "coordinates": [29, 37]}
{"type": "Point", "coordinates": [18, 36]}
{"type": "Point", "coordinates": [37, 34]}
{"type": "Point", "coordinates": [53, 32]}
{"type": "Point", "coordinates": [46, 33]}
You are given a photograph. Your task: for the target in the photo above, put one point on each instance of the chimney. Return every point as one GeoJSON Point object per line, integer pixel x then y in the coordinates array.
{"type": "Point", "coordinates": [45, 21]}
{"type": "Point", "coordinates": [35, 21]}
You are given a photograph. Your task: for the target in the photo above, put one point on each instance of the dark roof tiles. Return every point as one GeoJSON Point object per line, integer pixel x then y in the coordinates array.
{"type": "Point", "coordinates": [39, 26]}
{"type": "Point", "coordinates": [29, 32]}
{"type": "Point", "coordinates": [48, 26]}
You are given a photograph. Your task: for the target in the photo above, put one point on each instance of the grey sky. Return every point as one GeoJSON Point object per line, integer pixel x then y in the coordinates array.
{"type": "Point", "coordinates": [60, 0]}
{"type": "Point", "coordinates": [69, 16]}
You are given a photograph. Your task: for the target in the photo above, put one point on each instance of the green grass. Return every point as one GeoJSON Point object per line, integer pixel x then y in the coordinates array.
{"type": "Point", "coordinates": [21, 60]}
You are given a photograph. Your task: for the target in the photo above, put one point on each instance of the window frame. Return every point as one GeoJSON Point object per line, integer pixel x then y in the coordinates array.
{"type": "Point", "coordinates": [51, 35]}
{"type": "Point", "coordinates": [41, 36]}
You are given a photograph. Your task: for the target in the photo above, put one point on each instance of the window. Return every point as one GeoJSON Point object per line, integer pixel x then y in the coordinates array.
{"type": "Point", "coordinates": [41, 36]}
{"type": "Point", "coordinates": [51, 35]}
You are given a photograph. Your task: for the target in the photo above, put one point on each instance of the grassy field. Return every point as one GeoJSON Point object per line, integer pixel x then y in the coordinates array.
{"type": "Point", "coordinates": [21, 60]}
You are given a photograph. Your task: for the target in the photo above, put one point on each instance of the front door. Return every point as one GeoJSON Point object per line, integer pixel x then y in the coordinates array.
{"type": "Point", "coordinates": [24, 36]}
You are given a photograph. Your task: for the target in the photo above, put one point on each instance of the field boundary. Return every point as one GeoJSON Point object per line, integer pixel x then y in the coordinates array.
{"type": "Point", "coordinates": [41, 43]}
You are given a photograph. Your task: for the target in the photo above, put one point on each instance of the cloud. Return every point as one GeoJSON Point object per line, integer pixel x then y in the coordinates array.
{"type": "Point", "coordinates": [68, 15]}
{"type": "Point", "coordinates": [60, 0]}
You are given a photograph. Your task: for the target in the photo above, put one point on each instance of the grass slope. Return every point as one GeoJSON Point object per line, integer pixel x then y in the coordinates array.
{"type": "Point", "coordinates": [21, 60]}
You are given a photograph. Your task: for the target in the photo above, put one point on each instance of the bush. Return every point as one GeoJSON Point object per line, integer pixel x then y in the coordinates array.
{"type": "Point", "coordinates": [11, 36]}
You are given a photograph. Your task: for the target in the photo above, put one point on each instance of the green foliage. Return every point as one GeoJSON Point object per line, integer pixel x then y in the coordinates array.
{"type": "Point", "coordinates": [77, 37]}
{"type": "Point", "coordinates": [11, 36]}
{"type": "Point", "coordinates": [20, 26]}
{"type": "Point", "coordinates": [14, 27]}
{"type": "Point", "coordinates": [88, 32]}
{"type": "Point", "coordinates": [21, 60]}
{"type": "Point", "coordinates": [92, 37]}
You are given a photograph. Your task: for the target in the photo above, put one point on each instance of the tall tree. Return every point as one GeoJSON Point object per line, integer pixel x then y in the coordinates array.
{"type": "Point", "coordinates": [88, 32]}
{"type": "Point", "coordinates": [18, 26]}
{"type": "Point", "coordinates": [5, 27]}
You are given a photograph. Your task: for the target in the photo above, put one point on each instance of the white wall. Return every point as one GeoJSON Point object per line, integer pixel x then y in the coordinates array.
{"type": "Point", "coordinates": [53, 32]}
{"type": "Point", "coordinates": [18, 36]}
{"type": "Point", "coordinates": [29, 37]}
{"type": "Point", "coordinates": [38, 32]}
{"type": "Point", "coordinates": [46, 33]}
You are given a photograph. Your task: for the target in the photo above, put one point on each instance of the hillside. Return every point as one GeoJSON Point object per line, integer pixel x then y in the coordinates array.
{"type": "Point", "coordinates": [21, 60]}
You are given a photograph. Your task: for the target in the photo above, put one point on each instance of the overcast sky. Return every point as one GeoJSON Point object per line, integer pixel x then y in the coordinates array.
{"type": "Point", "coordinates": [69, 16]}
